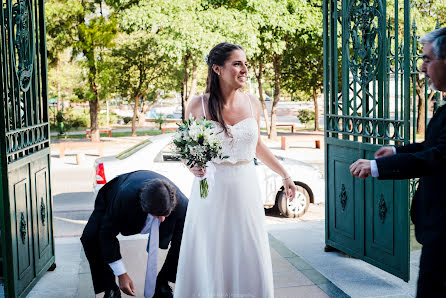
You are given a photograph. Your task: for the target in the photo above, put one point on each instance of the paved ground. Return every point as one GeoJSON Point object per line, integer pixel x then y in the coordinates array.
{"type": "Point", "coordinates": [301, 268]}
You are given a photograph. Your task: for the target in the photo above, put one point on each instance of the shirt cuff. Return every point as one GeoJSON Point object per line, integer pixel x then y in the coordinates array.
{"type": "Point", "coordinates": [394, 150]}
{"type": "Point", "coordinates": [374, 168]}
{"type": "Point", "coordinates": [118, 267]}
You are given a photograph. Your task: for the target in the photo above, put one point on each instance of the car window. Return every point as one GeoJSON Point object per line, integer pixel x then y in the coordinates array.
{"type": "Point", "coordinates": [132, 150]}
{"type": "Point", "coordinates": [168, 154]}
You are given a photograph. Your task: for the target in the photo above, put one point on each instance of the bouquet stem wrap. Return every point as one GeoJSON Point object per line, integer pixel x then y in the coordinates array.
{"type": "Point", "coordinates": [207, 181]}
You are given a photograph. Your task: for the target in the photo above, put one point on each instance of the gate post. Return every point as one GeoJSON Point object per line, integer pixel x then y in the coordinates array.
{"type": "Point", "coordinates": [26, 232]}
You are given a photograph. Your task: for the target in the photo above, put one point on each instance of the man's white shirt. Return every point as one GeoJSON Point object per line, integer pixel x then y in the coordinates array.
{"type": "Point", "coordinates": [374, 166]}
{"type": "Point", "coordinates": [118, 266]}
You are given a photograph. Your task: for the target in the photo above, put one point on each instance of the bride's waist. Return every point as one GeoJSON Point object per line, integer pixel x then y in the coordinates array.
{"type": "Point", "coordinates": [233, 163]}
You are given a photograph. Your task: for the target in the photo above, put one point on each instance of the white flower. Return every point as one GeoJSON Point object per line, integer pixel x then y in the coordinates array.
{"type": "Point", "coordinates": [195, 130]}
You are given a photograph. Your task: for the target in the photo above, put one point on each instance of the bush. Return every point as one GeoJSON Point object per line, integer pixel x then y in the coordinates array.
{"type": "Point", "coordinates": [127, 119]}
{"type": "Point", "coordinates": [77, 118]}
{"type": "Point", "coordinates": [306, 116]}
{"type": "Point", "coordinates": [112, 117]}
{"type": "Point", "coordinates": [160, 119]}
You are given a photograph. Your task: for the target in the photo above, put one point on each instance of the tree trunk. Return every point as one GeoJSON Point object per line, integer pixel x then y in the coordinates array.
{"type": "Point", "coordinates": [59, 92]}
{"type": "Point", "coordinates": [185, 80]}
{"type": "Point", "coordinates": [262, 100]}
{"type": "Point", "coordinates": [94, 109]}
{"type": "Point", "coordinates": [135, 114]}
{"type": "Point", "coordinates": [142, 114]}
{"type": "Point", "coordinates": [193, 82]}
{"type": "Point", "coordinates": [316, 110]}
{"type": "Point", "coordinates": [146, 108]}
{"type": "Point", "coordinates": [276, 63]}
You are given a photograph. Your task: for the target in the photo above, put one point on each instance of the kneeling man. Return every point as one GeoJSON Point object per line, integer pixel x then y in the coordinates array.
{"type": "Point", "coordinates": [134, 203]}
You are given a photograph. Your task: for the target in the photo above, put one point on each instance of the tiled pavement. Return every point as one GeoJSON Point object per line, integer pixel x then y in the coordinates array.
{"type": "Point", "coordinates": [300, 268]}
{"type": "Point", "coordinates": [293, 277]}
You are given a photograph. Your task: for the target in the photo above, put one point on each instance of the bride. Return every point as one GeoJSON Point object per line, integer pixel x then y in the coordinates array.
{"type": "Point", "coordinates": [225, 250]}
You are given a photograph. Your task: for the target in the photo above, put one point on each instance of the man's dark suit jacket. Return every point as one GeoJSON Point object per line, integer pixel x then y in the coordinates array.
{"type": "Point", "coordinates": [426, 160]}
{"type": "Point", "coordinates": [119, 198]}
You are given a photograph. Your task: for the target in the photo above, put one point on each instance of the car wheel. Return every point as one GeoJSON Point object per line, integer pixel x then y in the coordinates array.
{"type": "Point", "coordinates": [299, 205]}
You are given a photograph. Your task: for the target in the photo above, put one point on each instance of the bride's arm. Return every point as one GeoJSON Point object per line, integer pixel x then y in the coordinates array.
{"type": "Point", "coordinates": [195, 109]}
{"type": "Point", "coordinates": [267, 157]}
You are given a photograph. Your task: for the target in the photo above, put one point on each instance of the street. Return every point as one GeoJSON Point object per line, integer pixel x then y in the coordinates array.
{"type": "Point", "coordinates": [72, 187]}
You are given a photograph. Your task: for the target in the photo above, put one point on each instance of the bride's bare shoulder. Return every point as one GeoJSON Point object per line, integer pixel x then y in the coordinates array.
{"type": "Point", "coordinates": [254, 100]}
{"type": "Point", "coordinates": [195, 107]}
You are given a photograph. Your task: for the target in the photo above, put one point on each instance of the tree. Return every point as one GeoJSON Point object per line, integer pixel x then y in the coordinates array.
{"type": "Point", "coordinates": [95, 32]}
{"type": "Point", "coordinates": [302, 69]}
{"type": "Point", "coordinates": [140, 71]}
{"type": "Point", "coordinates": [275, 23]}
{"type": "Point", "coordinates": [186, 31]}
{"type": "Point", "coordinates": [426, 16]}
{"type": "Point", "coordinates": [59, 16]}
{"type": "Point", "coordinates": [64, 79]}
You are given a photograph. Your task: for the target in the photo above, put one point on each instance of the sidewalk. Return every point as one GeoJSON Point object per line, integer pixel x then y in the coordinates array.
{"type": "Point", "coordinates": [293, 277]}
{"type": "Point", "coordinates": [301, 268]}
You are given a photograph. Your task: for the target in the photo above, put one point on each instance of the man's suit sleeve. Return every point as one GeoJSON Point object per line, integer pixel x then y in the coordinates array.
{"type": "Point", "coordinates": [429, 161]}
{"type": "Point", "coordinates": [108, 241]}
{"type": "Point", "coordinates": [410, 148]}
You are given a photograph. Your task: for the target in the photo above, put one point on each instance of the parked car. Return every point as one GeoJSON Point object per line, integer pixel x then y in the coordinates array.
{"type": "Point", "coordinates": [156, 154]}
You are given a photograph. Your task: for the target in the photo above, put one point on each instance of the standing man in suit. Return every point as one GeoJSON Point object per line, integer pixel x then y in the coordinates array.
{"type": "Point", "coordinates": [134, 203]}
{"type": "Point", "coordinates": [426, 160]}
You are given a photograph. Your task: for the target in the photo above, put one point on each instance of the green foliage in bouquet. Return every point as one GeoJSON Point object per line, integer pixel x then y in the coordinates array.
{"type": "Point", "coordinates": [197, 142]}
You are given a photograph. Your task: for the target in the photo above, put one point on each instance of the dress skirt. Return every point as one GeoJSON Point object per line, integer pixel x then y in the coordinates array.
{"type": "Point", "coordinates": [225, 250]}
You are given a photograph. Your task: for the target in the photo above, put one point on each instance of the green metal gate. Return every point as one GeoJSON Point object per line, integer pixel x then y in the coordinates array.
{"type": "Point", "coordinates": [367, 104]}
{"type": "Point", "coordinates": [27, 247]}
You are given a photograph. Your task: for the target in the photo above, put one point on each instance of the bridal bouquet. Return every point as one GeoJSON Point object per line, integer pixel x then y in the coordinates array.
{"type": "Point", "coordinates": [196, 141]}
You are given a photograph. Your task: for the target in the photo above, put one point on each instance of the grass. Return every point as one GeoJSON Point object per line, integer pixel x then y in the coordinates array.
{"type": "Point", "coordinates": [81, 135]}
{"type": "Point", "coordinates": [152, 132]}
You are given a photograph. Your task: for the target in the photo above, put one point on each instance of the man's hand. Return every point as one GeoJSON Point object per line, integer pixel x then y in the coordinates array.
{"type": "Point", "coordinates": [126, 284]}
{"type": "Point", "coordinates": [361, 168]}
{"type": "Point", "coordinates": [383, 152]}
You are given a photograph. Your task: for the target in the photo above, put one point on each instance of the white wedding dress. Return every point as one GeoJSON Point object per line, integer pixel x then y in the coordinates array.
{"type": "Point", "coordinates": [225, 250]}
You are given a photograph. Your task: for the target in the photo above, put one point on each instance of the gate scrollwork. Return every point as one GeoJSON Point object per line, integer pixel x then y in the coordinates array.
{"type": "Point", "coordinates": [365, 39]}
{"type": "Point", "coordinates": [23, 42]}
{"type": "Point", "coordinates": [343, 197]}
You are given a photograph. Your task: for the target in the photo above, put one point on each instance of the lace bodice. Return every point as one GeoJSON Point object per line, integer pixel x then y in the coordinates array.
{"type": "Point", "coordinates": [241, 145]}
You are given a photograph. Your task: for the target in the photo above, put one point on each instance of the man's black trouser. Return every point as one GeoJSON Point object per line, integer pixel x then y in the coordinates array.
{"type": "Point", "coordinates": [432, 275]}
{"type": "Point", "coordinates": [102, 275]}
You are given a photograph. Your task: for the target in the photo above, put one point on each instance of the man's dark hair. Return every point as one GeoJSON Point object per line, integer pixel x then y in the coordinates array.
{"type": "Point", "coordinates": [158, 197]}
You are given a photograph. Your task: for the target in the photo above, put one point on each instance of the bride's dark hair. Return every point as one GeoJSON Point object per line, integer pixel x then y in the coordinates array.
{"type": "Point", "coordinates": [218, 56]}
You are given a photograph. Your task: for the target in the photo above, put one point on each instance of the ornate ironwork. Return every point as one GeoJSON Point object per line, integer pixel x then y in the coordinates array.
{"type": "Point", "coordinates": [365, 39]}
{"type": "Point", "coordinates": [382, 207]}
{"type": "Point", "coordinates": [23, 42]}
{"type": "Point", "coordinates": [343, 197]}
{"type": "Point", "coordinates": [30, 139]}
{"type": "Point", "coordinates": [24, 92]}
{"type": "Point", "coordinates": [380, 129]}
{"type": "Point", "coordinates": [42, 211]}
{"type": "Point", "coordinates": [23, 227]}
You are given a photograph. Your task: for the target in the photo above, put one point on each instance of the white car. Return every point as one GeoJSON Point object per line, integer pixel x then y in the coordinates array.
{"type": "Point", "coordinates": [156, 154]}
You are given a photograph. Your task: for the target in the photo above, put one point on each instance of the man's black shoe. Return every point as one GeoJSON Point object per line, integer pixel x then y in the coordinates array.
{"type": "Point", "coordinates": [113, 293]}
{"type": "Point", "coordinates": [163, 290]}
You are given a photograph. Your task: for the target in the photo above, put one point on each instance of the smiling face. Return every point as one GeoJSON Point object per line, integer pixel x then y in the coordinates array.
{"type": "Point", "coordinates": [434, 68]}
{"type": "Point", "coordinates": [234, 72]}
